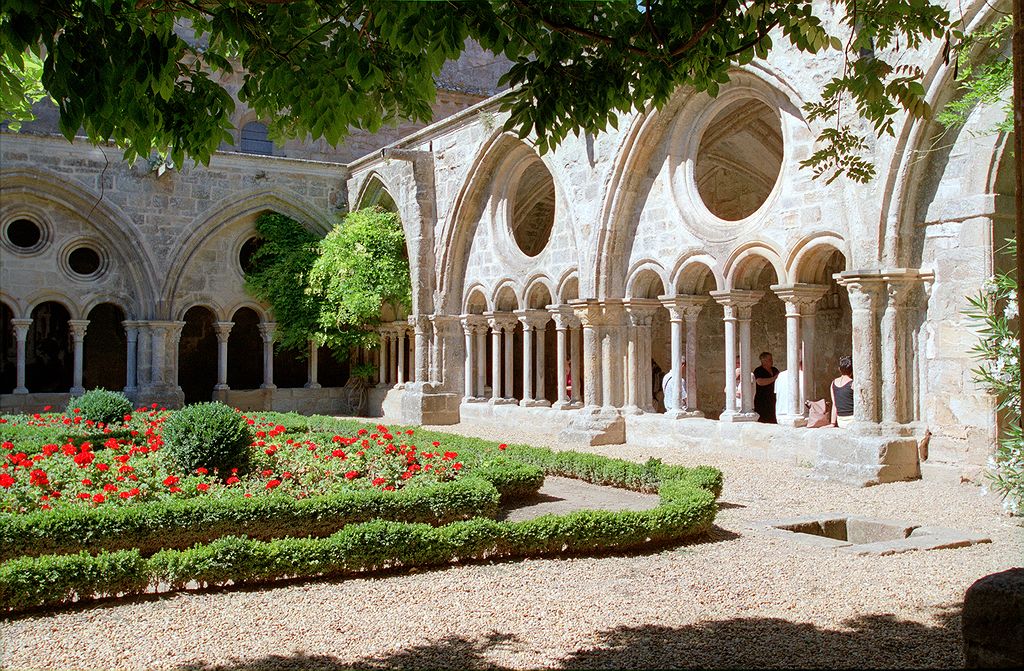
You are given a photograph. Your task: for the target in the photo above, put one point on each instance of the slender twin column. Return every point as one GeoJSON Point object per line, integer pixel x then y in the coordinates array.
{"type": "Point", "coordinates": [502, 325]}
{"type": "Point", "coordinates": [267, 330]}
{"type": "Point", "coordinates": [683, 311]}
{"type": "Point", "coordinates": [737, 305]}
{"type": "Point", "coordinates": [313, 365]}
{"type": "Point", "coordinates": [534, 324]}
{"type": "Point", "coordinates": [800, 300]}
{"type": "Point", "coordinates": [589, 314]}
{"type": "Point", "coordinates": [78, 327]}
{"type": "Point", "coordinates": [21, 327]}
{"type": "Point", "coordinates": [131, 331]}
{"type": "Point", "coordinates": [639, 384]}
{"type": "Point", "coordinates": [223, 331]}
{"type": "Point", "coordinates": [474, 329]}
{"type": "Point", "coordinates": [382, 359]}
{"type": "Point", "coordinates": [421, 335]}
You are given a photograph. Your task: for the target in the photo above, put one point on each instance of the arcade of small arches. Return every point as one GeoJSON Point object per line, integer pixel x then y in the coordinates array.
{"type": "Point", "coordinates": [524, 347]}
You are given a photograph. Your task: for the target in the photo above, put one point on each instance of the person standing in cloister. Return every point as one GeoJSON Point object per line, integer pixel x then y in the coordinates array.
{"type": "Point", "coordinates": [764, 392]}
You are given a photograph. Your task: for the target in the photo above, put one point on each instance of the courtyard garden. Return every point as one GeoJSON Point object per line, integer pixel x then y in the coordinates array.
{"type": "Point", "coordinates": [103, 500]}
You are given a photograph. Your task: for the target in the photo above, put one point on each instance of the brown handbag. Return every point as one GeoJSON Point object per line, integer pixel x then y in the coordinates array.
{"type": "Point", "coordinates": [818, 414]}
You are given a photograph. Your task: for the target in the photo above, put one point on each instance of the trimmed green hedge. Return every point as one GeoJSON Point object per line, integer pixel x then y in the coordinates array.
{"type": "Point", "coordinates": [150, 527]}
{"type": "Point", "coordinates": [687, 509]}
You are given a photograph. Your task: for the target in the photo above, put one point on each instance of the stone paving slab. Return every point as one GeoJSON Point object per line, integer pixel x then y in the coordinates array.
{"type": "Point", "coordinates": [558, 496]}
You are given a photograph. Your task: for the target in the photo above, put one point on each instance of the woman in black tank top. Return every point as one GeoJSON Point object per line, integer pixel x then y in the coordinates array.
{"type": "Point", "coordinates": [842, 393]}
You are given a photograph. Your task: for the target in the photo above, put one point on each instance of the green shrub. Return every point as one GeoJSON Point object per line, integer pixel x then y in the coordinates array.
{"type": "Point", "coordinates": [179, 524]}
{"type": "Point", "coordinates": [208, 435]}
{"type": "Point", "coordinates": [100, 405]}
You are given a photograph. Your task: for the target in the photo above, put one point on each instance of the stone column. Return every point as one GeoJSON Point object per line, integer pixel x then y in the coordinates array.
{"type": "Point", "coordinates": [468, 329]}
{"type": "Point", "coordinates": [683, 311]}
{"type": "Point", "coordinates": [589, 314]}
{"type": "Point", "coordinates": [533, 322]}
{"type": "Point", "coordinates": [527, 362]}
{"type": "Point", "coordinates": [158, 349]}
{"type": "Point", "coordinates": [561, 326]}
{"type": "Point", "coordinates": [393, 363]}
{"type": "Point", "coordinates": [400, 346]}
{"type": "Point", "coordinates": [808, 329]}
{"type": "Point", "coordinates": [421, 331]}
{"type": "Point", "coordinates": [509, 331]}
{"type": "Point", "coordinates": [21, 327]}
{"type": "Point", "coordinates": [313, 366]}
{"type": "Point", "coordinates": [267, 332]}
{"type": "Point", "coordinates": [799, 298]}
{"type": "Point", "coordinates": [175, 337]}
{"type": "Point", "coordinates": [576, 364]}
{"type": "Point", "coordinates": [613, 325]}
{"type": "Point", "coordinates": [865, 294]}
{"type": "Point", "coordinates": [481, 359]}
{"type": "Point", "coordinates": [540, 368]}
{"type": "Point", "coordinates": [639, 385]}
{"type": "Point", "coordinates": [223, 331]}
{"type": "Point", "coordinates": [382, 355]}
{"type": "Point", "coordinates": [131, 332]}
{"type": "Point", "coordinates": [896, 353]}
{"type": "Point", "coordinates": [737, 304]}
{"type": "Point", "coordinates": [495, 324]}
{"type": "Point", "coordinates": [78, 327]}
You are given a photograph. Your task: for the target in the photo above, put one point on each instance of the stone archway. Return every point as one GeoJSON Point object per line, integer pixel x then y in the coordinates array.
{"type": "Point", "coordinates": [49, 359]}
{"type": "Point", "coordinates": [197, 355]}
{"type": "Point", "coordinates": [105, 349]}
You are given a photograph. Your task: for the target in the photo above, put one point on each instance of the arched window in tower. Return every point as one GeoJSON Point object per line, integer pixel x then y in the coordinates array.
{"type": "Point", "coordinates": [254, 139]}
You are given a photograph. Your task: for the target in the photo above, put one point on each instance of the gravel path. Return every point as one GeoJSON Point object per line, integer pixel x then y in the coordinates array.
{"type": "Point", "coordinates": [738, 599]}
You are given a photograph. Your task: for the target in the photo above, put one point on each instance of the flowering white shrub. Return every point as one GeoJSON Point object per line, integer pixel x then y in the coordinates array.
{"type": "Point", "coordinates": [995, 310]}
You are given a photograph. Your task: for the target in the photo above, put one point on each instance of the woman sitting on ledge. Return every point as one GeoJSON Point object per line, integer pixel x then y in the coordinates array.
{"type": "Point", "coordinates": [842, 394]}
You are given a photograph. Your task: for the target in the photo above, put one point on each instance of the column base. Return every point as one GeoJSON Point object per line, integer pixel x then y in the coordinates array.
{"type": "Point", "coordinates": [632, 410]}
{"type": "Point", "coordinates": [313, 385]}
{"type": "Point", "coordinates": [595, 426]}
{"type": "Point", "coordinates": [687, 414]}
{"type": "Point", "coordinates": [535, 403]}
{"type": "Point", "coordinates": [795, 421]}
{"type": "Point", "coordinates": [221, 387]}
{"type": "Point", "coordinates": [504, 401]}
{"type": "Point", "coordinates": [268, 386]}
{"type": "Point", "coordinates": [738, 417]}
{"type": "Point", "coordinates": [76, 391]}
{"type": "Point", "coordinates": [21, 390]}
{"type": "Point", "coordinates": [475, 399]}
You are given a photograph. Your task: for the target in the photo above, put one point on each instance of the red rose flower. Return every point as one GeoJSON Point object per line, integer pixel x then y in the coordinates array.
{"type": "Point", "coordinates": [232, 480]}
{"type": "Point", "coordinates": [102, 467]}
{"type": "Point", "coordinates": [448, 456]}
{"type": "Point", "coordinates": [202, 486]}
{"type": "Point", "coordinates": [273, 483]}
{"type": "Point", "coordinates": [6, 480]}
{"type": "Point", "coordinates": [201, 471]}
{"type": "Point", "coordinates": [99, 498]}
{"type": "Point", "coordinates": [377, 482]}
{"type": "Point", "coordinates": [351, 475]}
{"type": "Point", "coordinates": [171, 480]}
{"type": "Point", "coordinates": [502, 446]}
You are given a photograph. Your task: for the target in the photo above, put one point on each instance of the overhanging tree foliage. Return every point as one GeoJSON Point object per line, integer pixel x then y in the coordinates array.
{"type": "Point", "coordinates": [124, 71]}
{"type": "Point", "coordinates": [330, 290]}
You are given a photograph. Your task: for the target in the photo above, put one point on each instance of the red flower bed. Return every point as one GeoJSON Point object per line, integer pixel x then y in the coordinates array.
{"type": "Point", "coordinates": [128, 466]}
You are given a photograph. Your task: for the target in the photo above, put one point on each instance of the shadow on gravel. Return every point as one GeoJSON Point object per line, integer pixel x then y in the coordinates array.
{"type": "Point", "coordinates": [875, 641]}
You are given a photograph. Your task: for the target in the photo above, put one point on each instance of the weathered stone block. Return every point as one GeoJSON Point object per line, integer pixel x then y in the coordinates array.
{"type": "Point", "coordinates": [993, 621]}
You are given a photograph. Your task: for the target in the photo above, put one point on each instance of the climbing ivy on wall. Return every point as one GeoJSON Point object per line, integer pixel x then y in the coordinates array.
{"type": "Point", "coordinates": [330, 290]}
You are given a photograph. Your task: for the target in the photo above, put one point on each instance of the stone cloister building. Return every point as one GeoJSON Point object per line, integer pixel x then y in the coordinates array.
{"type": "Point", "coordinates": [551, 290]}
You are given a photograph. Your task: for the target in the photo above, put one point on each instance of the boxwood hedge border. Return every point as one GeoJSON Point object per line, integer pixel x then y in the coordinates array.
{"type": "Point", "coordinates": [687, 508]}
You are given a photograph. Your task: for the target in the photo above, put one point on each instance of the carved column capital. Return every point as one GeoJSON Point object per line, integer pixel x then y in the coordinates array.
{"type": "Point", "coordinates": [641, 310]}
{"type": "Point", "coordinates": [78, 327]}
{"type": "Point", "coordinates": [737, 302]}
{"type": "Point", "coordinates": [799, 297]}
{"type": "Point", "coordinates": [589, 312]}
{"type": "Point", "coordinates": [564, 317]}
{"type": "Point", "coordinates": [267, 330]}
{"type": "Point", "coordinates": [533, 319]}
{"type": "Point", "coordinates": [223, 330]}
{"type": "Point", "coordinates": [21, 327]}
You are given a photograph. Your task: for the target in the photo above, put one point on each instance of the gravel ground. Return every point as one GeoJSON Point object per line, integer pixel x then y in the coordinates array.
{"type": "Point", "coordinates": [736, 599]}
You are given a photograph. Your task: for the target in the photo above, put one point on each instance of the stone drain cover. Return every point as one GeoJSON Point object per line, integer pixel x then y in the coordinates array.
{"type": "Point", "coordinates": [858, 535]}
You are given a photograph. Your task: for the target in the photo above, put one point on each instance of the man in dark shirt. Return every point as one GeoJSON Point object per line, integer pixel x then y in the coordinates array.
{"type": "Point", "coordinates": [764, 391]}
